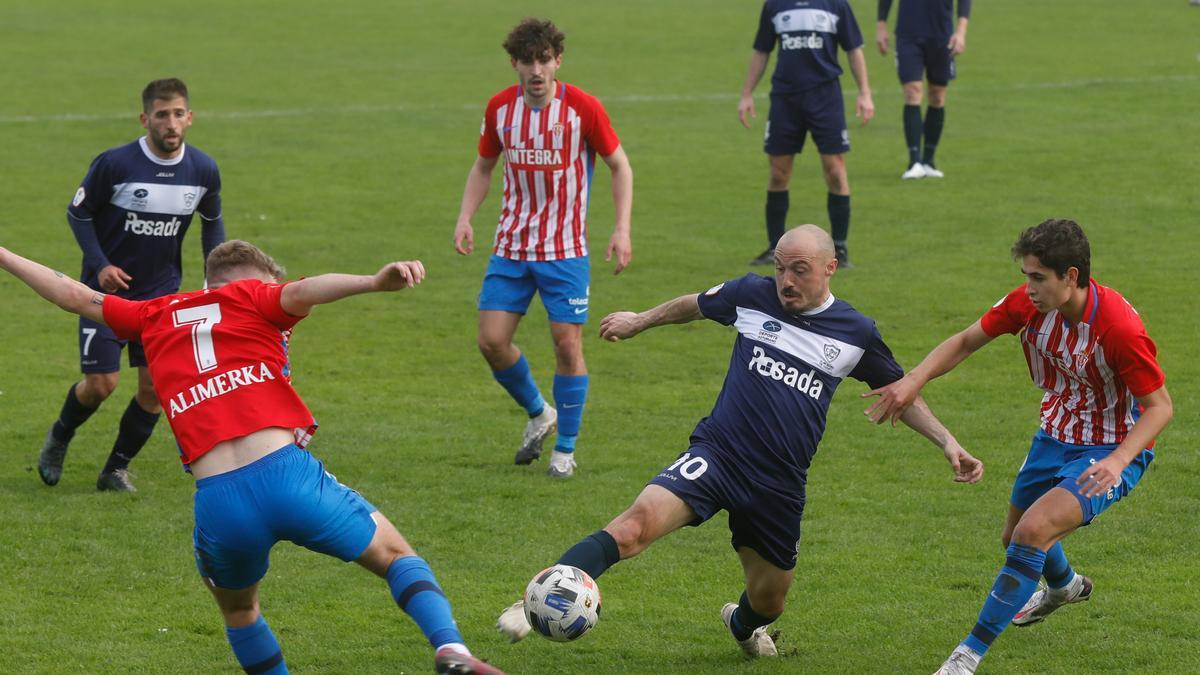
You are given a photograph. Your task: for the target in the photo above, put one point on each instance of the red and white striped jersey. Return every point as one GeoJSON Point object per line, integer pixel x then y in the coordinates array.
{"type": "Point", "coordinates": [1091, 371]}
{"type": "Point", "coordinates": [549, 155]}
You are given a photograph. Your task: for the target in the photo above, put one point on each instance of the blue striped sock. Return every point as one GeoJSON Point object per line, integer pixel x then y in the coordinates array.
{"type": "Point", "coordinates": [256, 648]}
{"type": "Point", "coordinates": [1014, 586]}
{"type": "Point", "coordinates": [570, 393]}
{"type": "Point", "coordinates": [417, 592]}
{"type": "Point", "coordinates": [1057, 570]}
{"type": "Point", "coordinates": [517, 380]}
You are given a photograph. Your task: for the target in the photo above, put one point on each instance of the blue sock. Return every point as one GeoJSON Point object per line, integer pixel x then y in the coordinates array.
{"type": "Point", "coordinates": [1057, 570]}
{"type": "Point", "coordinates": [517, 380]}
{"type": "Point", "coordinates": [745, 620]}
{"type": "Point", "coordinates": [594, 554]}
{"type": "Point", "coordinates": [256, 648]}
{"type": "Point", "coordinates": [418, 594]}
{"type": "Point", "coordinates": [1013, 588]}
{"type": "Point", "coordinates": [570, 393]}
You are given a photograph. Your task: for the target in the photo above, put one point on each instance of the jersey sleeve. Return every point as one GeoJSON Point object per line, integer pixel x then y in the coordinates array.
{"type": "Point", "coordinates": [764, 40]}
{"type": "Point", "coordinates": [1134, 356]}
{"type": "Point", "coordinates": [489, 141]}
{"type": "Point", "coordinates": [210, 205]}
{"type": "Point", "coordinates": [849, 36]}
{"type": "Point", "coordinates": [94, 192]}
{"type": "Point", "coordinates": [964, 9]}
{"type": "Point", "coordinates": [598, 130]}
{"type": "Point", "coordinates": [877, 367]}
{"type": "Point", "coordinates": [719, 303]}
{"type": "Point", "coordinates": [123, 316]}
{"type": "Point", "coordinates": [267, 300]}
{"type": "Point", "coordinates": [1009, 315]}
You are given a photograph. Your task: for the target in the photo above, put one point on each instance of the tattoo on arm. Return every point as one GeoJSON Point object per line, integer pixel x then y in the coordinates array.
{"type": "Point", "coordinates": [98, 299]}
{"type": "Point", "coordinates": [58, 274]}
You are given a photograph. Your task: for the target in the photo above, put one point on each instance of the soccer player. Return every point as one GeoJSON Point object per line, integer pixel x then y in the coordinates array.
{"type": "Point", "coordinates": [549, 133]}
{"type": "Point", "coordinates": [220, 366]}
{"type": "Point", "coordinates": [806, 97]}
{"type": "Point", "coordinates": [130, 216]}
{"type": "Point", "coordinates": [927, 40]}
{"type": "Point", "coordinates": [1104, 403]}
{"type": "Point", "coordinates": [796, 342]}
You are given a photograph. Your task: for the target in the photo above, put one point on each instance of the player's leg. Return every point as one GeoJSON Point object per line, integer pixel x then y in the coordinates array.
{"type": "Point", "coordinates": [100, 362]}
{"type": "Point", "coordinates": [255, 646]}
{"type": "Point", "coordinates": [837, 205]}
{"type": "Point", "coordinates": [508, 286]}
{"type": "Point", "coordinates": [782, 141]}
{"type": "Point", "coordinates": [825, 116]}
{"type": "Point", "coordinates": [565, 287]}
{"type": "Point", "coordinates": [760, 605]}
{"type": "Point", "coordinates": [137, 423]}
{"type": "Point", "coordinates": [939, 65]}
{"type": "Point", "coordinates": [910, 68]}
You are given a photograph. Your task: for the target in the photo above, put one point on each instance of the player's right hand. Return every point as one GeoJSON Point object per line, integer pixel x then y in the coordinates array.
{"type": "Point", "coordinates": [397, 275]}
{"type": "Point", "coordinates": [967, 469]}
{"type": "Point", "coordinates": [746, 109]}
{"type": "Point", "coordinates": [113, 279]}
{"type": "Point", "coordinates": [619, 325]}
{"type": "Point", "coordinates": [464, 238]}
{"type": "Point", "coordinates": [881, 38]}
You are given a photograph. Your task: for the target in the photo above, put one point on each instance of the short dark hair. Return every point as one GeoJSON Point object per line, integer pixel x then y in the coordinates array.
{"type": "Point", "coordinates": [163, 90]}
{"type": "Point", "coordinates": [238, 253]}
{"type": "Point", "coordinates": [534, 40]}
{"type": "Point", "coordinates": [1058, 244]}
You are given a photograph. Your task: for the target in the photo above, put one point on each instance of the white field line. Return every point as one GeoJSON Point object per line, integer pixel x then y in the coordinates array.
{"type": "Point", "coordinates": [631, 98]}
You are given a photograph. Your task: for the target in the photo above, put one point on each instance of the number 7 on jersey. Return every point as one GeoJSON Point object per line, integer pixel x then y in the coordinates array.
{"type": "Point", "coordinates": [201, 319]}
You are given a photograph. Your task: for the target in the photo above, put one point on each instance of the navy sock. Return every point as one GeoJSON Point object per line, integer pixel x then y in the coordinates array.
{"type": "Point", "coordinates": [934, 119]}
{"type": "Point", "coordinates": [912, 132]}
{"type": "Point", "coordinates": [1014, 586]}
{"type": "Point", "coordinates": [71, 417]}
{"type": "Point", "coordinates": [256, 648]}
{"type": "Point", "coordinates": [570, 393]}
{"type": "Point", "coordinates": [517, 380]}
{"type": "Point", "coordinates": [1057, 570]}
{"type": "Point", "coordinates": [416, 590]}
{"type": "Point", "coordinates": [593, 554]}
{"type": "Point", "coordinates": [777, 208]}
{"type": "Point", "coordinates": [136, 427]}
{"type": "Point", "coordinates": [745, 619]}
{"type": "Point", "coordinates": [838, 207]}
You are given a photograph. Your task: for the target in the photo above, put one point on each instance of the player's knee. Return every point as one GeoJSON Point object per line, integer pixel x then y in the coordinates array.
{"type": "Point", "coordinates": [96, 387]}
{"type": "Point", "coordinates": [148, 401]}
{"type": "Point", "coordinates": [912, 93]}
{"type": "Point", "coordinates": [631, 532]}
{"type": "Point", "coordinates": [780, 178]}
{"type": "Point", "coordinates": [492, 348]}
{"type": "Point", "coordinates": [937, 97]}
{"type": "Point", "coordinates": [1033, 531]}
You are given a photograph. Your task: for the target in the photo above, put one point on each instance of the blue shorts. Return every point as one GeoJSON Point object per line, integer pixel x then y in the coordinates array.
{"type": "Point", "coordinates": [564, 285]}
{"type": "Point", "coordinates": [761, 518]}
{"type": "Point", "coordinates": [286, 495]}
{"type": "Point", "coordinates": [100, 350]}
{"type": "Point", "coordinates": [920, 59]}
{"type": "Point", "coordinates": [1052, 463]}
{"type": "Point", "coordinates": [819, 111]}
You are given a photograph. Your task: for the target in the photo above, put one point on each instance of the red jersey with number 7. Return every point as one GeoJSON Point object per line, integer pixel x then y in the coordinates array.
{"type": "Point", "coordinates": [219, 361]}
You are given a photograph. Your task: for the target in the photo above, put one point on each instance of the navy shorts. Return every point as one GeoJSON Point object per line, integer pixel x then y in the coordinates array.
{"type": "Point", "coordinates": [288, 495]}
{"type": "Point", "coordinates": [819, 111]}
{"type": "Point", "coordinates": [100, 350]}
{"type": "Point", "coordinates": [564, 285]}
{"type": "Point", "coordinates": [1052, 463]}
{"type": "Point", "coordinates": [761, 518]}
{"type": "Point", "coordinates": [920, 59]}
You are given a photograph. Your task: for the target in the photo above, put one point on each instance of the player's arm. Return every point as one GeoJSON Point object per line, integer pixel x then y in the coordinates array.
{"type": "Point", "coordinates": [299, 297]}
{"type": "Point", "coordinates": [111, 277]}
{"type": "Point", "coordinates": [622, 190]}
{"type": "Point", "coordinates": [881, 25]}
{"type": "Point", "coordinates": [958, 41]}
{"type": "Point", "coordinates": [895, 398]}
{"type": "Point", "coordinates": [864, 107]}
{"type": "Point", "coordinates": [56, 287]}
{"type": "Point", "coordinates": [479, 180]}
{"type": "Point", "coordinates": [921, 419]}
{"type": "Point", "coordinates": [624, 325]}
{"type": "Point", "coordinates": [758, 66]}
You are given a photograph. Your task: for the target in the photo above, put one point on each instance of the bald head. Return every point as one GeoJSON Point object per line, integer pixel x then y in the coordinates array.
{"type": "Point", "coordinates": [804, 262]}
{"type": "Point", "coordinates": [807, 241]}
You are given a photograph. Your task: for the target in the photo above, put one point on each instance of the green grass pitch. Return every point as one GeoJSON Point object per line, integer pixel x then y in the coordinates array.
{"type": "Point", "coordinates": [344, 132]}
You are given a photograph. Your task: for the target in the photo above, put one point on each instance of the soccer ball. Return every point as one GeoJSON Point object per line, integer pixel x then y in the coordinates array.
{"type": "Point", "coordinates": [562, 603]}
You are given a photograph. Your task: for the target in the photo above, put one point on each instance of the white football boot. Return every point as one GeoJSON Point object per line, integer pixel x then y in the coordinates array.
{"type": "Point", "coordinates": [963, 661]}
{"type": "Point", "coordinates": [513, 624]}
{"type": "Point", "coordinates": [917, 170]}
{"type": "Point", "coordinates": [758, 644]}
{"type": "Point", "coordinates": [562, 464]}
{"type": "Point", "coordinates": [1045, 600]}
{"type": "Point", "coordinates": [931, 172]}
{"type": "Point", "coordinates": [536, 431]}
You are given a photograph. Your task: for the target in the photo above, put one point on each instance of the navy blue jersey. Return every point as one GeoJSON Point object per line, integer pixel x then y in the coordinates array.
{"type": "Point", "coordinates": [770, 414]}
{"type": "Point", "coordinates": [808, 32]}
{"type": "Point", "coordinates": [925, 18]}
{"type": "Point", "coordinates": [140, 207]}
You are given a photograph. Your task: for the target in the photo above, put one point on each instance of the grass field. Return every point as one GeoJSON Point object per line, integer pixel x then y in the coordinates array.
{"type": "Point", "coordinates": [344, 132]}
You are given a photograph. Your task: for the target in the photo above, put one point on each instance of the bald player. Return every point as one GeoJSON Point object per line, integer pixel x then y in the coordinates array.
{"type": "Point", "coordinates": [750, 456]}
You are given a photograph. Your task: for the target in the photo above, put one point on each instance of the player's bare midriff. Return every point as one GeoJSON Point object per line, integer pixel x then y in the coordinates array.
{"type": "Point", "coordinates": [238, 452]}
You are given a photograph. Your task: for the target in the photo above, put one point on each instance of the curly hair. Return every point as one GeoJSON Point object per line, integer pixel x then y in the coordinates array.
{"type": "Point", "coordinates": [1059, 244]}
{"type": "Point", "coordinates": [534, 40]}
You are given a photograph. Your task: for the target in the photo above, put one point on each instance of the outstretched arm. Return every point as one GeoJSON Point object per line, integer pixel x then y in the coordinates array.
{"type": "Point", "coordinates": [896, 397]}
{"type": "Point", "coordinates": [620, 325]}
{"type": "Point", "coordinates": [299, 297]}
{"type": "Point", "coordinates": [54, 286]}
{"type": "Point", "coordinates": [921, 419]}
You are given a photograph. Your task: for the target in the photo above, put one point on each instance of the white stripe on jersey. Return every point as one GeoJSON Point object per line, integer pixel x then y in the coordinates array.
{"type": "Point", "coordinates": [828, 354]}
{"type": "Point", "coordinates": [817, 20]}
{"type": "Point", "coordinates": [170, 200]}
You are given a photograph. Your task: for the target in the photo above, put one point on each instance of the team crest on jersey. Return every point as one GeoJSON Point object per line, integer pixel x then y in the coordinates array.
{"type": "Point", "coordinates": [557, 130]}
{"type": "Point", "coordinates": [80, 194]}
{"type": "Point", "coordinates": [189, 198]}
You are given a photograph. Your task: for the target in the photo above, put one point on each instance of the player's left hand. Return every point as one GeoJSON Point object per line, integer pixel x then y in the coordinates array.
{"type": "Point", "coordinates": [397, 275]}
{"type": "Point", "coordinates": [967, 469]}
{"type": "Point", "coordinates": [619, 325]}
{"type": "Point", "coordinates": [958, 44]}
{"type": "Point", "coordinates": [865, 109]}
{"type": "Point", "coordinates": [894, 399]}
{"type": "Point", "coordinates": [1100, 477]}
{"type": "Point", "coordinates": [622, 245]}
